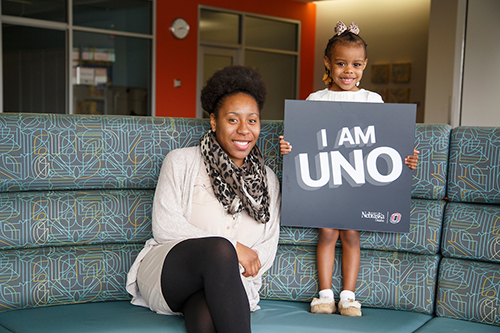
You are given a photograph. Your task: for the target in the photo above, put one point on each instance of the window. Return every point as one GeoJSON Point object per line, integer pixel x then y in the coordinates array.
{"type": "Point", "coordinates": [34, 78]}
{"type": "Point", "coordinates": [266, 43]}
{"type": "Point", "coordinates": [78, 56]}
{"type": "Point", "coordinates": [219, 27]}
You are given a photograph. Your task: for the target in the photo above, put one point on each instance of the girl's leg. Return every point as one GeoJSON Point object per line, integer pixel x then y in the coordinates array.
{"type": "Point", "coordinates": [351, 254]}
{"type": "Point", "coordinates": [325, 256]}
{"type": "Point", "coordinates": [348, 306]}
{"type": "Point", "coordinates": [201, 279]}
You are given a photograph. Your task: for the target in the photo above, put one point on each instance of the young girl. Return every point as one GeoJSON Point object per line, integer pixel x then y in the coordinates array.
{"type": "Point", "coordinates": [345, 60]}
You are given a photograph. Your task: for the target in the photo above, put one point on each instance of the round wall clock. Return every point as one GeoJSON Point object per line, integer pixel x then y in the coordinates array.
{"type": "Point", "coordinates": [179, 28]}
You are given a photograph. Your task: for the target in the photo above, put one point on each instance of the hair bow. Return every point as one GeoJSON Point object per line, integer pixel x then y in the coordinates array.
{"type": "Point", "coordinates": [340, 28]}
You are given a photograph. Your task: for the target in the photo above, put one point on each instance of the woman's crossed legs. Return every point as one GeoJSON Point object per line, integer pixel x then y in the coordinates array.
{"type": "Point", "coordinates": [201, 279]}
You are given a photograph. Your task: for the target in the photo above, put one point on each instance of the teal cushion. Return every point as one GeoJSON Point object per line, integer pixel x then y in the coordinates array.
{"type": "Point", "coordinates": [119, 316]}
{"type": "Point", "coordinates": [295, 317]}
{"type": "Point", "coordinates": [429, 179]}
{"type": "Point", "coordinates": [275, 316]}
{"type": "Point", "coordinates": [469, 290]}
{"type": "Point", "coordinates": [55, 218]}
{"type": "Point", "coordinates": [82, 152]}
{"type": "Point", "coordinates": [471, 231]}
{"type": "Point", "coordinates": [455, 325]}
{"type": "Point", "coordinates": [474, 165]}
{"type": "Point", "coordinates": [46, 276]}
{"type": "Point", "coordinates": [4, 330]}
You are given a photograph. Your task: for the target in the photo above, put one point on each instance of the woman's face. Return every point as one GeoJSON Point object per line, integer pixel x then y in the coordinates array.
{"type": "Point", "coordinates": [237, 126]}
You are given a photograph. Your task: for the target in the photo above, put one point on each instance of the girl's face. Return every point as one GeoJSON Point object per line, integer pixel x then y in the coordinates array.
{"type": "Point", "coordinates": [346, 65]}
{"type": "Point", "coordinates": [237, 126]}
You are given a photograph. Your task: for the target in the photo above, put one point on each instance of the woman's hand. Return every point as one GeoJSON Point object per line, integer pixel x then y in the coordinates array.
{"type": "Point", "coordinates": [411, 161]}
{"type": "Point", "coordinates": [285, 147]}
{"type": "Point", "coordinates": [249, 259]}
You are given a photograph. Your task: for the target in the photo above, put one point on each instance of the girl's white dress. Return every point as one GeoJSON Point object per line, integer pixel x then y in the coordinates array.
{"type": "Point", "coordinates": [361, 95]}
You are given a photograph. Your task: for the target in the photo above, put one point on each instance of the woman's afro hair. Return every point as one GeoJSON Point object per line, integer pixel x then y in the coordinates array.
{"type": "Point", "coordinates": [229, 81]}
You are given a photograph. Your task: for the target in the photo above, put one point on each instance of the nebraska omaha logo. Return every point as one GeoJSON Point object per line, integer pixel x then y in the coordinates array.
{"type": "Point", "coordinates": [380, 217]}
{"type": "Point", "coordinates": [377, 216]}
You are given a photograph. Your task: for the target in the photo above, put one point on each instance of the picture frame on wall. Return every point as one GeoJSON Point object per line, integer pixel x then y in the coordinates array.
{"type": "Point", "coordinates": [399, 95]}
{"type": "Point", "coordinates": [401, 73]}
{"type": "Point", "coordinates": [380, 73]}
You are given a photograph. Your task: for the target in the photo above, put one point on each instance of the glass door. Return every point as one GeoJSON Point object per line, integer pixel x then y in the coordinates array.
{"type": "Point", "coordinates": [212, 59]}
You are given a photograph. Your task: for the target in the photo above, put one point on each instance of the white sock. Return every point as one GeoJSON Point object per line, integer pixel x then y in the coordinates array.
{"type": "Point", "coordinates": [326, 293]}
{"type": "Point", "coordinates": [347, 294]}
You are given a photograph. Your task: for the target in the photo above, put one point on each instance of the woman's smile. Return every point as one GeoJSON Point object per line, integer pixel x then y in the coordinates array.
{"type": "Point", "coordinates": [242, 144]}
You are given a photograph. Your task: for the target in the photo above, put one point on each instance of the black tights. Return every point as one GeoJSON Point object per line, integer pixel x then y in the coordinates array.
{"type": "Point", "coordinates": [201, 279]}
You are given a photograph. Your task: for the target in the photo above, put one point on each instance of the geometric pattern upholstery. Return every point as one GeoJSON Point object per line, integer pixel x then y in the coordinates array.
{"type": "Point", "coordinates": [429, 179]}
{"type": "Point", "coordinates": [469, 279]}
{"type": "Point", "coordinates": [469, 290]}
{"type": "Point", "coordinates": [91, 152]}
{"type": "Point", "coordinates": [472, 231]}
{"type": "Point", "coordinates": [47, 276]}
{"type": "Point", "coordinates": [55, 218]}
{"type": "Point", "coordinates": [48, 152]}
{"type": "Point", "coordinates": [475, 165]}
{"type": "Point", "coordinates": [391, 280]}
{"type": "Point", "coordinates": [424, 236]}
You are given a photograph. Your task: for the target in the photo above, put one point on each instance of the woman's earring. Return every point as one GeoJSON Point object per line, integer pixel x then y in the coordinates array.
{"type": "Point", "coordinates": [357, 84]}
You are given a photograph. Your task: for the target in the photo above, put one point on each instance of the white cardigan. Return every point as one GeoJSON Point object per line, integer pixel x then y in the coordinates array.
{"type": "Point", "coordinates": [172, 209]}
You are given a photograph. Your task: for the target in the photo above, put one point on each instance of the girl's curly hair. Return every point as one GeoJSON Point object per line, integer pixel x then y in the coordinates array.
{"type": "Point", "coordinates": [230, 81]}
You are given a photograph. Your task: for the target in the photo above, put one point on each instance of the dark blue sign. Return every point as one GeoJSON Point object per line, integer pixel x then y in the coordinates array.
{"type": "Point", "coordinates": [346, 169]}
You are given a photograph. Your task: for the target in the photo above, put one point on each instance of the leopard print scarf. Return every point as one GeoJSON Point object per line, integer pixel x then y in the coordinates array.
{"type": "Point", "coordinates": [237, 188]}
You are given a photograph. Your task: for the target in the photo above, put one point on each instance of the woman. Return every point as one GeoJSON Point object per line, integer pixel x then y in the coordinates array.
{"type": "Point", "coordinates": [215, 216]}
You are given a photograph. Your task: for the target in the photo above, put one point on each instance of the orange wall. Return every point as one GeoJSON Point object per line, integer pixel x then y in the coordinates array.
{"type": "Point", "coordinates": [177, 59]}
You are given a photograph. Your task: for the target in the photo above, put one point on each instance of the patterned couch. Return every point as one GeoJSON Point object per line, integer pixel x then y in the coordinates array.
{"type": "Point", "coordinates": [75, 209]}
